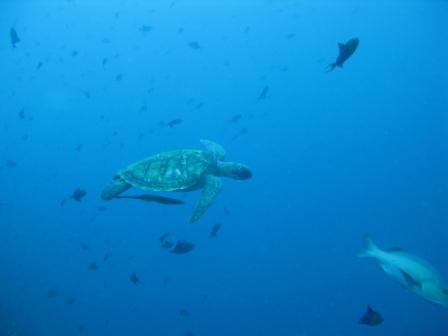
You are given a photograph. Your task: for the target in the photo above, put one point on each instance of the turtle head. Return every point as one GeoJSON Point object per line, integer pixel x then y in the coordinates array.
{"type": "Point", "coordinates": [233, 170]}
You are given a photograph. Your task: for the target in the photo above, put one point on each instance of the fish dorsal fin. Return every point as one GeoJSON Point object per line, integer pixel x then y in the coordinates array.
{"type": "Point", "coordinates": [370, 310]}
{"type": "Point", "coordinates": [410, 281]}
{"type": "Point", "coordinates": [341, 46]}
{"type": "Point", "coordinates": [395, 249]}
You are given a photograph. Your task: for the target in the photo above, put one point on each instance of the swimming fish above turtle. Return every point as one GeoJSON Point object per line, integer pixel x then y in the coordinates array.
{"type": "Point", "coordinates": [180, 170]}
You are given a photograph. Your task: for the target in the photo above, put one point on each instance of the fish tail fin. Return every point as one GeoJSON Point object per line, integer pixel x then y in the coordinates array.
{"type": "Point", "coordinates": [331, 67]}
{"type": "Point", "coordinates": [368, 249]}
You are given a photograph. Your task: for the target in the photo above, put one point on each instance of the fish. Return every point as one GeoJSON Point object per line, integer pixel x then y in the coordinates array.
{"type": "Point", "coordinates": [345, 52]}
{"type": "Point", "coordinates": [11, 163]}
{"type": "Point", "coordinates": [264, 93]}
{"type": "Point", "coordinates": [236, 118]}
{"type": "Point", "coordinates": [22, 114]}
{"type": "Point", "coordinates": [70, 300]}
{"type": "Point", "coordinates": [84, 246]}
{"type": "Point", "coordinates": [92, 266]}
{"type": "Point", "coordinates": [411, 272]}
{"type": "Point", "coordinates": [154, 198]}
{"type": "Point", "coordinates": [78, 194]}
{"type": "Point", "coordinates": [39, 65]}
{"type": "Point", "coordinates": [134, 278]}
{"type": "Point", "coordinates": [14, 37]}
{"type": "Point", "coordinates": [119, 77]}
{"type": "Point", "coordinates": [215, 230]}
{"type": "Point", "coordinates": [78, 148]}
{"type": "Point", "coordinates": [107, 256]}
{"type": "Point", "coordinates": [226, 211]}
{"type": "Point", "coordinates": [174, 122]}
{"type": "Point", "coordinates": [194, 45]}
{"type": "Point", "coordinates": [74, 53]}
{"type": "Point", "coordinates": [145, 29]}
{"type": "Point", "coordinates": [182, 247]}
{"type": "Point", "coordinates": [184, 312]}
{"type": "Point", "coordinates": [52, 293]}
{"type": "Point", "coordinates": [371, 318]}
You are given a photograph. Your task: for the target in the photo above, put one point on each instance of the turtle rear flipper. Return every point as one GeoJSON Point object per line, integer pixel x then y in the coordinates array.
{"type": "Point", "coordinates": [212, 187]}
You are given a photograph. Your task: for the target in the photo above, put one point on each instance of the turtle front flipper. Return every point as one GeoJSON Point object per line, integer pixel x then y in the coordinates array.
{"type": "Point", "coordinates": [212, 187]}
{"type": "Point", "coordinates": [115, 188]}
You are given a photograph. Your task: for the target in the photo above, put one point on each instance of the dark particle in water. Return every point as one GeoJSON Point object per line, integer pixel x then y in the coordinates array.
{"type": "Point", "coordinates": [194, 45]}
{"type": "Point", "coordinates": [92, 266]}
{"type": "Point", "coordinates": [134, 278]}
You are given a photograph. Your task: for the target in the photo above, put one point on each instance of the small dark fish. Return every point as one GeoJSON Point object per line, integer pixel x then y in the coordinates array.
{"type": "Point", "coordinates": [345, 52]}
{"type": "Point", "coordinates": [199, 105]}
{"type": "Point", "coordinates": [78, 195]}
{"type": "Point", "coordinates": [174, 122]}
{"type": "Point", "coordinates": [371, 318]}
{"type": "Point", "coordinates": [86, 94]}
{"type": "Point", "coordinates": [104, 61]}
{"type": "Point", "coordinates": [39, 65]}
{"type": "Point", "coordinates": [107, 256]}
{"type": "Point", "coordinates": [263, 93]}
{"type": "Point", "coordinates": [194, 45]}
{"type": "Point", "coordinates": [70, 300]}
{"type": "Point", "coordinates": [290, 36]}
{"type": "Point", "coordinates": [167, 244]}
{"type": "Point", "coordinates": [74, 53]}
{"type": "Point", "coordinates": [154, 198]}
{"type": "Point", "coordinates": [184, 312]}
{"type": "Point", "coordinates": [236, 118]}
{"type": "Point", "coordinates": [78, 148]}
{"type": "Point", "coordinates": [14, 37]}
{"type": "Point", "coordinates": [119, 77]}
{"type": "Point", "coordinates": [52, 293]}
{"type": "Point", "coordinates": [215, 230]}
{"type": "Point", "coordinates": [145, 29]}
{"type": "Point", "coordinates": [92, 266]}
{"type": "Point", "coordinates": [24, 137]}
{"type": "Point", "coordinates": [22, 114]}
{"type": "Point", "coordinates": [11, 163]}
{"type": "Point", "coordinates": [84, 246]}
{"type": "Point", "coordinates": [182, 247]}
{"type": "Point", "coordinates": [134, 278]}
{"type": "Point", "coordinates": [166, 280]}
{"type": "Point", "coordinates": [164, 237]}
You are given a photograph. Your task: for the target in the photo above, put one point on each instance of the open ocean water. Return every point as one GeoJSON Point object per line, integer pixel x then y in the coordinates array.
{"type": "Point", "coordinates": [89, 87]}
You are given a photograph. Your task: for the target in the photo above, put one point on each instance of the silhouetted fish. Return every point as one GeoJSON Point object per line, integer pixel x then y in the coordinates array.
{"type": "Point", "coordinates": [84, 246]}
{"type": "Point", "coordinates": [119, 77]}
{"type": "Point", "coordinates": [107, 256]}
{"type": "Point", "coordinates": [77, 196]}
{"type": "Point", "coordinates": [184, 312]}
{"type": "Point", "coordinates": [14, 37]}
{"type": "Point", "coordinates": [263, 93]}
{"type": "Point", "coordinates": [215, 230]}
{"type": "Point", "coordinates": [153, 198]}
{"type": "Point", "coordinates": [52, 293]}
{"type": "Point", "coordinates": [145, 29]}
{"type": "Point", "coordinates": [182, 247]}
{"type": "Point", "coordinates": [78, 148]}
{"type": "Point", "coordinates": [74, 53]}
{"type": "Point", "coordinates": [92, 266]}
{"type": "Point", "coordinates": [174, 122]}
{"type": "Point", "coordinates": [70, 300]}
{"type": "Point", "coordinates": [134, 278]}
{"type": "Point", "coordinates": [194, 45]}
{"type": "Point", "coordinates": [11, 163]}
{"type": "Point", "coordinates": [236, 118]}
{"type": "Point", "coordinates": [371, 318]}
{"type": "Point", "coordinates": [22, 114]}
{"type": "Point", "coordinates": [345, 52]}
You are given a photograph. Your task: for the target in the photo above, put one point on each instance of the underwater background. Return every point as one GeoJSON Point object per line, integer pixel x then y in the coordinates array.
{"type": "Point", "coordinates": [93, 86]}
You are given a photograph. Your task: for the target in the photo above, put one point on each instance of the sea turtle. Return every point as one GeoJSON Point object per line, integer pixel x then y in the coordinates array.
{"type": "Point", "coordinates": [180, 170]}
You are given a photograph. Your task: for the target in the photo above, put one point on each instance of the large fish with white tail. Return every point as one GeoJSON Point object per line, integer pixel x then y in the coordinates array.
{"type": "Point", "coordinates": [410, 271]}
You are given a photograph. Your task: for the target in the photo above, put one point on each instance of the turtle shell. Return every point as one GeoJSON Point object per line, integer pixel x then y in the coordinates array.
{"type": "Point", "coordinates": [176, 170]}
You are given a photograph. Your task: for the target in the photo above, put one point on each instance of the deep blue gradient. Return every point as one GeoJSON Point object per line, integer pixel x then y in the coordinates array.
{"type": "Point", "coordinates": [334, 156]}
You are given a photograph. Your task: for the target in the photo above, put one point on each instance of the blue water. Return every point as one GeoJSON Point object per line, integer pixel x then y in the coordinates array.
{"type": "Point", "coordinates": [362, 149]}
